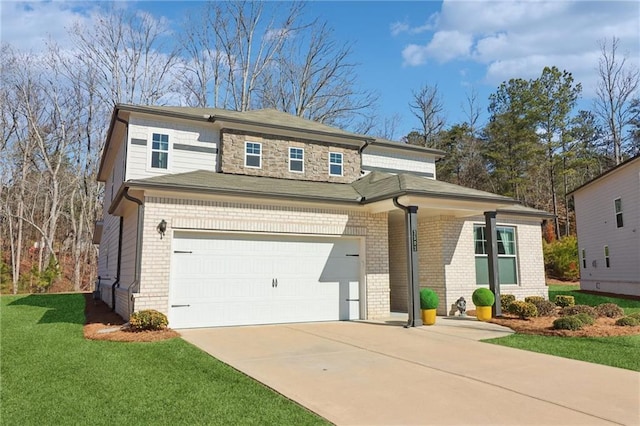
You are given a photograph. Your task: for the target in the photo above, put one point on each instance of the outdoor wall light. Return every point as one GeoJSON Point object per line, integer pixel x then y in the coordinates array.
{"type": "Point", "coordinates": [162, 228]}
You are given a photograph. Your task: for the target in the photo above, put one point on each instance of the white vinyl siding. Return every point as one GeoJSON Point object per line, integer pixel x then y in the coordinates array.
{"type": "Point", "coordinates": [197, 147]}
{"type": "Point", "coordinates": [387, 160]}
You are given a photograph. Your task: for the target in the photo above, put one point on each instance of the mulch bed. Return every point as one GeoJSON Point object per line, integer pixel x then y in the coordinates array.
{"type": "Point", "coordinates": [101, 323]}
{"type": "Point", "coordinates": [603, 327]}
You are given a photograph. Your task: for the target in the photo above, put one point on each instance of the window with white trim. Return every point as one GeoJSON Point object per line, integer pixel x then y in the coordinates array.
{"type": "Point", "coordinates": [253, 154]}
{"type": "Point", "coordinates": [618, 206]}
{"type": "Point", "coordinates": [159, 151]}
{"type": "Point", "coordinates": [296, 160]}
{"type": "Point", "coordinates": [335, 164]}
{"type": "Point", "coordinates": [584, 259]}
{"type": "Point", "coordinates": [607, 262]}
{"type": "Point", "coordinates": [507, 258]}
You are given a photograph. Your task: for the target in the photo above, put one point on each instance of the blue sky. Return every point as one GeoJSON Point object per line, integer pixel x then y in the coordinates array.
{"type": "Point", "coordinates": [458, 45]}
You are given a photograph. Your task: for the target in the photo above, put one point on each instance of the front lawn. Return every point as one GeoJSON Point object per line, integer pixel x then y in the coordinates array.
{"type": "Point", "coordinates": [621, 351]}
{"type": "Point", "coordinates": [51, 375]}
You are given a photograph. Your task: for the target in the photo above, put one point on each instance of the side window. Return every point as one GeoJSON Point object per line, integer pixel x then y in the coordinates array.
{"type": "Point", "coordinates": [618, 205]}
{"type": "Point", "coordinates": [159, 151]}
{"type": "Point", "coordinates": [507, 258]}
{"type": "Point", "coordinates": [584, 259]}
{"type": "Point", "coordinates": [253, 154]}
{"type": "Point", "coordinates": [335, 164]}
{"type": "Point", "coordinates": [607, 263]}
{"type": "Point", "coordinates": [296, 160]}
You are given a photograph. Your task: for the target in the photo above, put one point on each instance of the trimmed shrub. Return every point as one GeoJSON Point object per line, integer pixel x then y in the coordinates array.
{"type": "Point", "coordinates": [635, 315]}
{"type": "Point", "coordinates": [148, 320]}
{"type": "Point", "coordinates": [428, 299]}
{"type": "Point", "coordinates": [579, 309]}
{"type": "Point", "coordinates": [610, 310]}
{"type": "Point", "coordinates": [506, 300]}
{"type": "Point", "coordinates": [563, 300]}
{"type": "Point", "coordinates": [585, 318]}
{"type": "Point", "coordinates": [567, 323]}
{"type": "Point", "coordinates": [483, 297]}
{"type": "Point", "coordinates": [533, 299]}
{"type": "Point", "coordinates": [561, 258]}
{"type": "Point", "coordinates": [628, 322]}
{"type": "Point", "coordinates": [523, 309]}
{"type": "Point", "coordinates": [545, 308]}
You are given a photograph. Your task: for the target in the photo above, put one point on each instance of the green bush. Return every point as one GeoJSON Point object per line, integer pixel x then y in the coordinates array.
{"type": "Point", "coordinates": [585, 318]}
{"type": "Point", "coordinates": [148, 320]}
{"type": "Point", "coordinates": [545, 308]}
{"type": "Point", "coordinates": [506, 300]}
{"type": "Point", "coordinates": [523, 309]}
{"type": "Point", "coordinates": [533, 299]}
{"type": "Point", "coordinates": [635, 315]}
{"type": "Point", "coordinates": [483, 297]}
{"type": "Point", "coordinates": [428, 299]}
{"type": "Point", "coordinates": [561, 258]}
{"type": "Point", "coordinates": [610, 310]}
{"type": "Point", "coordinates": [567, 323]}
{"type": "Point", "coordinates": [562, 300]}
{"type": "Point", "coordinates": [628, 321]}
{"type": "Point", "coordinates": [579, 309]}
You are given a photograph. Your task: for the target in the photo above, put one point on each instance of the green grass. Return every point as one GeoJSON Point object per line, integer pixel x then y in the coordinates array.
{"type": "Point", "coordinates": [581, 298]}
{"type": "Point", "coordinates": [51, 375]}
{"type": "Point", "coordinates": [621, 351]}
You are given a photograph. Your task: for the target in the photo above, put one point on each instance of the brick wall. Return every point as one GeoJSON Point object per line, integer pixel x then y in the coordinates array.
{"type": "Point", "coordinates": [227, 216]}
{"type": "Point", "coordinates": [275, 157]}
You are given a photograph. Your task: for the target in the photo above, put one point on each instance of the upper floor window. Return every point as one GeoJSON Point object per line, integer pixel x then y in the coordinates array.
{"type": "Point", "coordinates": [296, 160]}
{"type": "Point", "coordinates": [607, 262]}
{"type": "Point", "coordinates": [618, 204]}
{"type": "Point", "coordinates": [253, 154]}
{"type": "Point", "coordinates": [335, 164]}
{"type": "Point", "coordinates": [507, 267]}
{"type": "Point", "coordinates": [584, 259]}
{"type": "Point", "coordinates": [159, 151]}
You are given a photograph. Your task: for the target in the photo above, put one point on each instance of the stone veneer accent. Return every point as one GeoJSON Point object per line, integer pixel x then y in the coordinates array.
{"type": "Point", "coordinates": [447, 260]}
{"type": "Point", "coordinates": [231, 216]}
{"type": "Point", "coordinates": [275, 157]}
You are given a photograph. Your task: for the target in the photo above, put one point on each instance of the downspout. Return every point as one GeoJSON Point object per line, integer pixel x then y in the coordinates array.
{"type": "Point", "coordinates": [367, 142]}
{"type": "Point", "coordinates": [138, 261]}
{"type": "Point", "coordinates": [413, 272]}
{"type": "Point", "coordinates": [116, 283]}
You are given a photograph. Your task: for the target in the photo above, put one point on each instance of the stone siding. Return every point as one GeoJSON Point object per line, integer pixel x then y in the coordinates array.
{"type": "Point", "coordinates": [275, 157]}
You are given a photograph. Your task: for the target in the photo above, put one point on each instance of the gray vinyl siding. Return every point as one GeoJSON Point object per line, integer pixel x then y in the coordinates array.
{"type": "Point", "coordinates": [192, 146]}
{"type": "Point", "coordinates": [129, 235]}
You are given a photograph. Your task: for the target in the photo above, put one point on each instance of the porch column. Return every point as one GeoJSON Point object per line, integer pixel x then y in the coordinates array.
{"type": "Point", "coordinates": [413, 301]}
{"type": "Point", "coordinates": [492, 256]}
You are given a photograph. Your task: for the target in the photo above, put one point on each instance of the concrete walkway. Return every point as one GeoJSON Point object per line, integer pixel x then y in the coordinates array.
{"type": "Point", "coordinates": [368, 373]}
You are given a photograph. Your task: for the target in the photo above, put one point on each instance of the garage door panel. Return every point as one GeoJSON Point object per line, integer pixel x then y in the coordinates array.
{"type": "Point", "coordinates": [247, 279]}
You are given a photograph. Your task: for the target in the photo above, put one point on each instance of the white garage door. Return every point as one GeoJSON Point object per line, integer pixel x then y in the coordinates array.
{"type": "Point", "coordinates": [233, 279]}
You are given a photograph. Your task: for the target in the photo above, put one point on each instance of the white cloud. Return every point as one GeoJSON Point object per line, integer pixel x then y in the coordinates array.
{"type": "Point", "coordinates": [518, 38]}
{"type": "Point", "coordinates": [28, 25]}
{"type": "Point", "coordinates": [398, 28]}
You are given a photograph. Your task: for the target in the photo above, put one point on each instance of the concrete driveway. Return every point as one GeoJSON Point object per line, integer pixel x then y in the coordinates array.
{"type": "Point", "coordinates": [366, 373]}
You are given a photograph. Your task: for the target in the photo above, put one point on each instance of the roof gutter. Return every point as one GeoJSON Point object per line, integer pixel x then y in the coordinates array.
{"type": "Point", "coordinates": [138, 260]}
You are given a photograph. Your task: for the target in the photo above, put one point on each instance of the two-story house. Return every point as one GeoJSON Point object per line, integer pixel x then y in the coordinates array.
{"type": "Point", "coordinates": [219, 217]}
{"type": "Point", "coordinates": [608, 223]}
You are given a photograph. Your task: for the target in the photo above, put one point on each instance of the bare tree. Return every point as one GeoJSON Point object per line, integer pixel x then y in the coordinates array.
{"type": "Point", "coordinates": [428, 108]}
{"type": "Point", "coordinates": [616, 87]}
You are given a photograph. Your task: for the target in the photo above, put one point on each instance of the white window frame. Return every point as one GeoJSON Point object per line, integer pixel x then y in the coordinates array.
{"type": "Point", "coordinates": [504, 255]}
{"type": "Point", "coordinates": [584, 259]}
{"type": "Point", "coordinates": [152, 150]}
{"type": "Point", "coordinates": [253, 155]}
{"type": "Point", "coordinates": [617, 206]}
{"type": "Point", "coordinates": [607, 257]}
{"type": "Point", "coordinates": [333, 163]}
{"type": "Point", "coordinates": [296, 160]}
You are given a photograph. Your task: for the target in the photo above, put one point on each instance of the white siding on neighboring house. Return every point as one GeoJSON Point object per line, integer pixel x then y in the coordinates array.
{"type": "Point", "coordinates": [597, 227]}
{"type": "Point", "coordinates": [192, 146]}
{"type": "Point", "coordinates": [392, 161]}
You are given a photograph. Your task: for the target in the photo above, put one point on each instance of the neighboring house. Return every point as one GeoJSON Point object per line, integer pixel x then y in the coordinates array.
{"type": "Point", "coordinates": [608, 222]}
{"type": "Point", "coordinates": [219, 217]}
